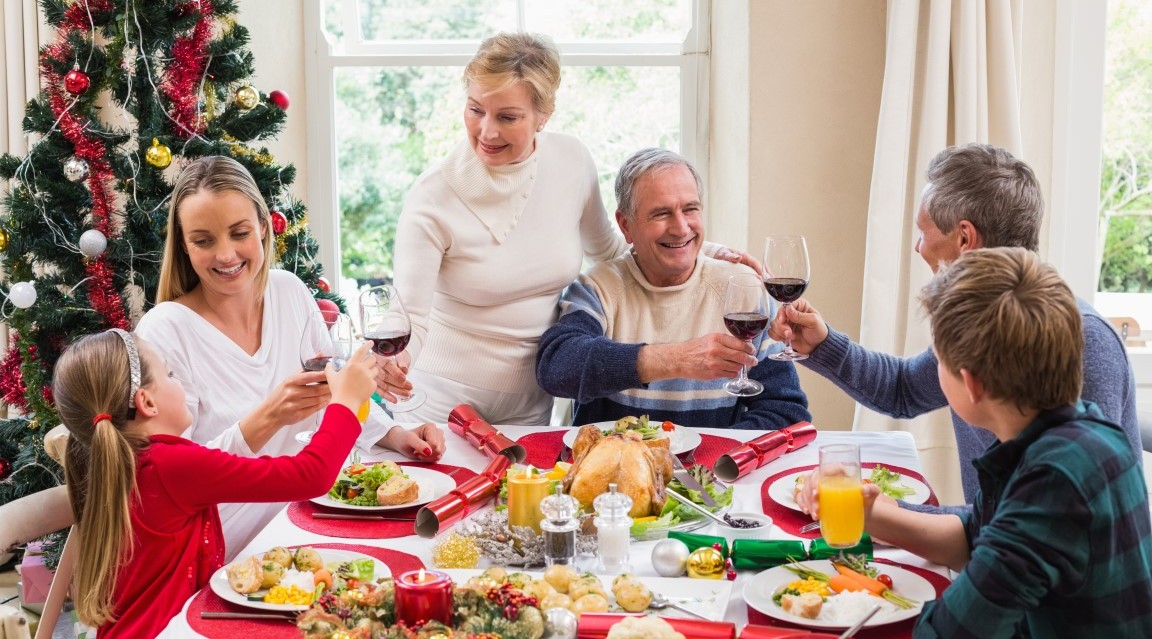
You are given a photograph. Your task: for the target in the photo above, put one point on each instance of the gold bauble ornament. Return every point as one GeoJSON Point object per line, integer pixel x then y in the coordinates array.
{"type": "Point", "coordinates": [247, 97]}
{"type": "Point", "coordinates": [158, 155]}
{"type": "Point", "coordinates": [3, 239]}
{"type": "Point", "coordinates": [706, 563]}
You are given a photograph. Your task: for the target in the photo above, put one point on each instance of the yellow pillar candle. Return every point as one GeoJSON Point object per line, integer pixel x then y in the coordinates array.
{"type": "Point", "coordinates": [526, 488]}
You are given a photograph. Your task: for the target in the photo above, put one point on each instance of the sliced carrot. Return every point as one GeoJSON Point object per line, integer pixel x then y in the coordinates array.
{"type": "Point", "coordinates": [840, 583]}
{"type": "Point", "coordinates": [866, 583]}
{"type": "Point", "coordinates": [322, 576]}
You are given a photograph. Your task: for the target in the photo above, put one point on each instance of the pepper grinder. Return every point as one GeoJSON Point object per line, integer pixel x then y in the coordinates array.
{"type": "Point", "coordinates": [612, 526]}
{"type": "Point", "coordinates": [559, 528]}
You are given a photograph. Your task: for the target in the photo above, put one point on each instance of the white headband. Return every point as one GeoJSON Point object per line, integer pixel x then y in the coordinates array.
{"type": "Point", "coordinates": [134, 366]}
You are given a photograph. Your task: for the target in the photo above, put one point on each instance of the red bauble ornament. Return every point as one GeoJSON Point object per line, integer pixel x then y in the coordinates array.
{"type": "Point", "coordinates": [329, 310]}
{"type": "Point", "coordinates": [731, 575]}
{"type": "Point", "coordinates": [324, 285]}
{"type": "Point", "coordinates": [5, 468]}
{"type": "Point", "coordinates": [76, 81]}
{"type": "Point", "coordinates": [279, 98]}
{"type": "Point", "coordinates": [279, 222]}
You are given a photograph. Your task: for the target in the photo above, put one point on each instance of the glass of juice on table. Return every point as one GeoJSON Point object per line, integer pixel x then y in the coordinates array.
{"type": "Point", "coordinates": [841, 495]}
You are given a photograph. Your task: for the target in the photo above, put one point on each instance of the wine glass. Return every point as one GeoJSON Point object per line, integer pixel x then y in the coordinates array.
{"type": "Point", "coordinates": [387, 326]}
{"type": "Point", "coordinates": [786, 274]}
{"type": "Point", "coordinates": [327, 337]}
{"type": "Point", "coordinates": [745, 316]}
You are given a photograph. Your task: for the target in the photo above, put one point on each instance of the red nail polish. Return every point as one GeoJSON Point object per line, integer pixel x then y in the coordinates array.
{"type": "Point", "coordinates": [427, 452]}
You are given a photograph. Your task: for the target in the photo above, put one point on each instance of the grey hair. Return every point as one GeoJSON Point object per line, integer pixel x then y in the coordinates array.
{"type": "Point", "coordinates": [989, 187]}
{"type": "Point", "coordinates": [642, 163]}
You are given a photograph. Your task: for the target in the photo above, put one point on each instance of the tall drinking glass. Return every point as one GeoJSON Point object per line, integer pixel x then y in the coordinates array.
{"type": "Point", "coordinates": [745, 316]}
{"type": "Point", "coordinates": [786, 274]}
{"type": "Point", "coordinates": [387, 326]}
{"type": "Point", "coordinates": [841, 495]}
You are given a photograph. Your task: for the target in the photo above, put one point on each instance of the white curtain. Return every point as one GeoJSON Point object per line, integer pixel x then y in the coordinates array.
{"type": "Point", "coordinates": [951, 77]}
{"type": "Point", "coordinates": [21, 34]}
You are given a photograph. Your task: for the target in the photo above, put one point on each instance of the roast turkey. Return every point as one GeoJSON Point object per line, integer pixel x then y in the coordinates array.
{"type": "Point", "coordinates": [639, 469]}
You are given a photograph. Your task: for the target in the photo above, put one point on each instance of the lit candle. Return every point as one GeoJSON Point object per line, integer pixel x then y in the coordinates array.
{"type": "Point", "coordinates": [422, 596]}
{"type": "Point", "coordinates": [525, 490]}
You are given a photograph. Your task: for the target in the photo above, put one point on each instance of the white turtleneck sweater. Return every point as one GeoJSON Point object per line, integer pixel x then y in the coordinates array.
{"type": "Point", "coordinates": [483, 253]}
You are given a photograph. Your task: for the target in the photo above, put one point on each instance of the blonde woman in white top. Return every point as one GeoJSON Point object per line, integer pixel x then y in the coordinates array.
{"type": "Point", "coordinates": [491, 235]}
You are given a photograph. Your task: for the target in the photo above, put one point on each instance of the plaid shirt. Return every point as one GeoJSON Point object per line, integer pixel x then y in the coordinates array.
{"type": "Point", "coordinates": [1060, 538]}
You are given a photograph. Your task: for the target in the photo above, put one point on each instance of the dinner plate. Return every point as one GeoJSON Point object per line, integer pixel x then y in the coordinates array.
{"type": "Point", "coordinates": [781, 490]}
{"type": "Point", "coordinates": [683, 438]}
{"type": "Point", "coordinates": [758, 593]}
{"type": "Point", "coordinates": [219, 581]}
{"type": "Point", "coordinates": [708, 597]}
{"type": "Point", "coordinates": [433, 485]}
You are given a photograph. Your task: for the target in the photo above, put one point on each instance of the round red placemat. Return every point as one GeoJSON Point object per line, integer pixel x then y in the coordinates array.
{"type": "Point", "coordinates": [208, 601]}
{"type": "Point", "coordinates": [790, 520]}
{"type": "Point", "coordinates": [300, 513]}
{"type": "Point", "coordinates": [543, 449]}
{"type": "Point", "coordinates": [899, 630]}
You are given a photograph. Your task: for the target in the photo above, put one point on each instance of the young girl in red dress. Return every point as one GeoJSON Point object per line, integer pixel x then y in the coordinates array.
{"type": "Point", "coordinates": [145, 499]}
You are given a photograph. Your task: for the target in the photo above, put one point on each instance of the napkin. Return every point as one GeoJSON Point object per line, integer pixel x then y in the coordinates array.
{"type": "Point", "coordinates": [758, 554]}
{"type": "Point", "coordinates": [462, 500]}
{"type": "Point", "coordinates": [595, 625]}
{"type": "Point", "coordinates": [821, 550]}
{"type": "Point", "coordinates": [699, 541]}
{"type": "Point", "coordinates": [467, 423]}
{"type": "Point", "coordinates": [753, 454]}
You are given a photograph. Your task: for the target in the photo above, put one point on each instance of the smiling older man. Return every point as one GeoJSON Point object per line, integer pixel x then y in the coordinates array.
{"type": "Point", "coordinates": [643, 334]}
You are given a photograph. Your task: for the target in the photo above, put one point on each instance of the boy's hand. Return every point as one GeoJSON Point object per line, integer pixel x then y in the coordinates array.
{"type": "Point", "coordinates": [353, 384]}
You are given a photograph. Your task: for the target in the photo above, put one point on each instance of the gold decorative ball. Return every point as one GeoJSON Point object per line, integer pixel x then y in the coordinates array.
{"type": "Point", "coordinates": [706, 563]}
{"type": "Point", "coordinates": [3, 239]}
{"type": "Point", "coordinates": [247, 97]}
{"type": "Point", "coordinates": [158, 155]}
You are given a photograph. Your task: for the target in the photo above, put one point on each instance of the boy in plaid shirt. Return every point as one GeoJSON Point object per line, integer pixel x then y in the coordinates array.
{"type": "Point", "coordinates": [1058, 543]}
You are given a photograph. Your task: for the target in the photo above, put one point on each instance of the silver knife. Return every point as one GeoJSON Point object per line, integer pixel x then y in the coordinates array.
{"type": "Point", "coordinates": [247, 615]}
{"type": "Point", "coordinates": [688, 480]}
{"type": "Point", "coordinates": [360, 517]}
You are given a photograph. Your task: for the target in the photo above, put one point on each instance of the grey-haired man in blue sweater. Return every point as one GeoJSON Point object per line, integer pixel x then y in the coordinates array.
{"type": "Point", "coordinates": [977, 196]}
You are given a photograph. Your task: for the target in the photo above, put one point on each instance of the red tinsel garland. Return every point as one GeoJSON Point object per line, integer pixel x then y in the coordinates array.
{"type": "Point", "coordinates": [11, 381]}
{"type": "Point", "coordinates": [186, 69]}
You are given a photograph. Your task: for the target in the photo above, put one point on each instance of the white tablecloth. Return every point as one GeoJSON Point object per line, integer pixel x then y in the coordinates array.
{"type": "Point", "coordinates": [896, 448]}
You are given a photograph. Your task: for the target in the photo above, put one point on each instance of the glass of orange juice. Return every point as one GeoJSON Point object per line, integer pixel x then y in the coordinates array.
{"type": "Point", "coordinates": [841, 496]}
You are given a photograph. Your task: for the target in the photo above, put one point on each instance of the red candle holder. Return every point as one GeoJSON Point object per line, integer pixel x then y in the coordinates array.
{"type": "Point", "coordinates": [423, 596]}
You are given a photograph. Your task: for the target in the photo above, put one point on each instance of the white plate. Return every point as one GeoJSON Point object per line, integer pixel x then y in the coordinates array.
{"type": "Point", "coordinates": [781, 490]}
{"type": "Point", "coordinates": [758, 593]}
{"type": "Point", "coordinates": [433, 485]}
{"type": "Point", "coordinates": [331, 557]}
{"type": "Point", "coordinates": [685, 438]}
{"type": "Point", "coordinates": [708, 597]}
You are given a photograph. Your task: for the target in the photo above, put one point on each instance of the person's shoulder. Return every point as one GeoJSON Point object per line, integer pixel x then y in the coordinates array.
{"type": "Point", "coordinates": [1083, 445]}
{"type": "Point", "coordinates": [285, 280]}
{"type": "Point", "coordinates": [716, 272]}
{"type": "Point", "coordinates": [563, 146]}
{"type": "Point", "coordinates": [613, 272]}
{"type": "Point", "coordinates": [162, 317]}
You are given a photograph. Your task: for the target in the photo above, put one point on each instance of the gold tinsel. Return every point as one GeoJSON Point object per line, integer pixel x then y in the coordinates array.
{"type": "Point", "coordinates": [281, 247]}
{"type": "Point", "coordinates": [456, 551]}
{"type": "Point", "coordinates": [209, 100]}
{"type": "Point", "coordinates": [238, 149]}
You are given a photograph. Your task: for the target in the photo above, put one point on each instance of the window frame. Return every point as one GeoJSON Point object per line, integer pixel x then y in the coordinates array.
{"type": "Point", "coordinates": [323, 58]}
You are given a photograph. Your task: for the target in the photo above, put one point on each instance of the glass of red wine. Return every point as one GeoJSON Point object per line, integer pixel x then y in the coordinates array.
{"type": "Point", "coordinates": [327, 337]}
{"type": "Point", "coordinates": [786, 274]}
{"type": "Point", "coordinates": [387, 326]}
{"type": "Point", "coordinates": [745, 316]}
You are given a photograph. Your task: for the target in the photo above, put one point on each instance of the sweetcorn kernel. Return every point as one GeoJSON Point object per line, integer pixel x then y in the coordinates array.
{"type": "Point", "coordinates": [291, 595]}
{"type": "Point", "coordinates": [809, 585]}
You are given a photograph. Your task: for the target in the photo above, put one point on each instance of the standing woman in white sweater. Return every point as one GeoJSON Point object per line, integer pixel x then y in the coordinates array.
{"type": "Point", "coordinates": [491, 235]}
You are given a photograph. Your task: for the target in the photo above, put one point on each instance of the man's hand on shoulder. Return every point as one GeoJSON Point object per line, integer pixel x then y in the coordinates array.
{"type": "Point", "coordinates": [800, 322]}
{"type": "Point", "coordinates": [713, 356]}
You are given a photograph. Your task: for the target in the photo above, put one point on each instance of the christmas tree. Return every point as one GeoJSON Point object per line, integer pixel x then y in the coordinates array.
{"type": "Point", "coordinates": [131, 92]}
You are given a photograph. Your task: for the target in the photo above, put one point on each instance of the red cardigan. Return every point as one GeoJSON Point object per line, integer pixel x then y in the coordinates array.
{"type": "Point", "coordinates": [177, 542]}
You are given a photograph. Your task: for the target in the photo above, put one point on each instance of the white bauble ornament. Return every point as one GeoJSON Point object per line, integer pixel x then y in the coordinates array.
{"type": "Point", "coordinates": [559, 623]}
{"type": "Point", "coordinates": [75, 169]}
{"type": "Point", "coordinates": [670, 557]}
{"type": "Point", "coordinates": [92, 243]}
{"type": "Point", "coordinates": [22, 294]}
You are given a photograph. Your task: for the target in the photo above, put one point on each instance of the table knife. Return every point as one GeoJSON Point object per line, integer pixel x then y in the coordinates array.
{"type": "Point", "coordinates": [690, 482]}
{"type": "Point", "coordinates": [247, 615]}
{"type": "Point", "coordinates": [360, 517]}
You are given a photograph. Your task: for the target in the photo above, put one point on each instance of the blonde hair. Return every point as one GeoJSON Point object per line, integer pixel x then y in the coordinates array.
{"type": "Point", "coordinates": [93, 377]}
{"type": "Point", "coordinates": [1012, 321]}
{"type": "Point", "coordinates": [507, 58]}
{"type": "Point", "coordinates": [214, 174]}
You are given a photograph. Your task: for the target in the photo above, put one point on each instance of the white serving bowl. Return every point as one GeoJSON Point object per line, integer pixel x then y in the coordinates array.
{"type": "Point", "coordinates": [730, 533]}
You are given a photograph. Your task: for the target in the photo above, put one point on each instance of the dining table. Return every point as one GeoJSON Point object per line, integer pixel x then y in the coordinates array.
{"type": "Point", "coordinates": [892, 448]}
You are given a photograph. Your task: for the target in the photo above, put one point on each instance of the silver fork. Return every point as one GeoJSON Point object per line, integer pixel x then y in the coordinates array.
{"type": "Point", "coordinates": [810, 527]}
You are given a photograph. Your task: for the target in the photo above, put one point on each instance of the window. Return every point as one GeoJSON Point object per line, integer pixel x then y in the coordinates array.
{"type": "Point", "coordinates": [385, 81]}
{"type": "Point", "coordinates": [1125, 279]}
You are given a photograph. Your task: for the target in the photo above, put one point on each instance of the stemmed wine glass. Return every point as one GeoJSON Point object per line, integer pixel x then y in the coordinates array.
{"type": "Point", "coordinates": [327, 337]}
{"type": "Point", "coordinates": [745, 316]}
{"type": "Point", "coordinates": [387, 326]}
{"type": "Point", "coordinates": [786, 274]}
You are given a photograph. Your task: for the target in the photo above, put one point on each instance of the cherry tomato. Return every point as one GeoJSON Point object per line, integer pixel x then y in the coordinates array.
{"type": "Point", "coordinates": [884, 579]}
{"type": "Point", "coordinates": [668, 426]}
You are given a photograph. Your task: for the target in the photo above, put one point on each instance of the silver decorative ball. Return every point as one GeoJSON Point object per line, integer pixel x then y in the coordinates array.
{"type": "Point", "coordinates": [670, 557]}
{"type": "Point", "coordinates": [75, 169]}
{"type": "Point", "coordinates": [92, 243]}
{"type": "Point", "coordinates": [559, 623]}
{"type": "Point", "coordinates": [22, 294]}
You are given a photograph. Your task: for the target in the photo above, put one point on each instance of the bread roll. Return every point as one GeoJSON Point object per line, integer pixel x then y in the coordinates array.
{"type": "Point", "coordinates": [245, 575]}
{"type": "Point", "coordinates": [397, 490]}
